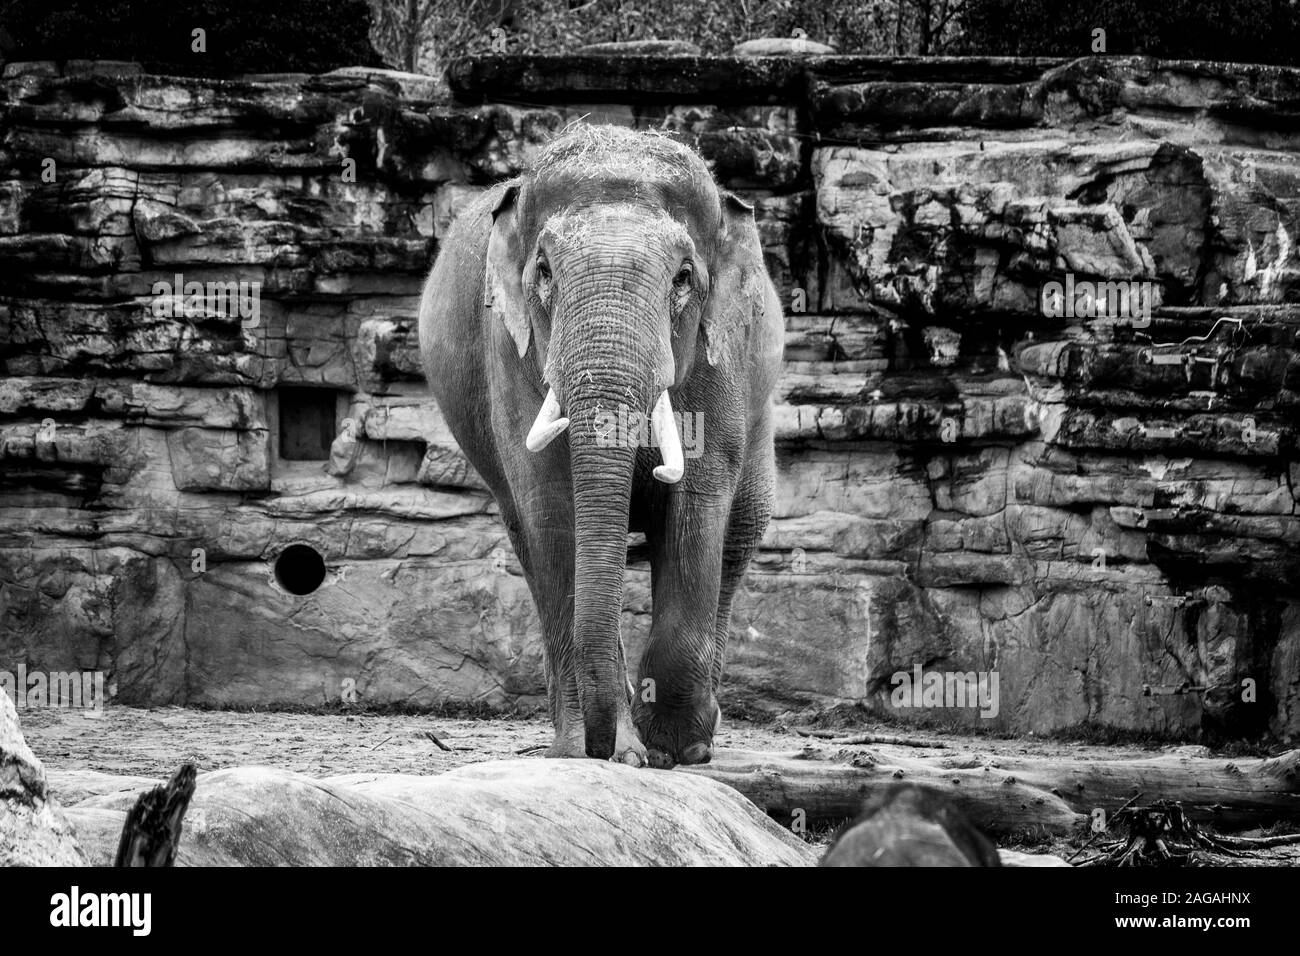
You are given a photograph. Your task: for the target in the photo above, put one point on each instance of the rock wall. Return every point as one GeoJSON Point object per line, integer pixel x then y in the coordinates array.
{"type": "Point", "coordinates": [1098, 508]}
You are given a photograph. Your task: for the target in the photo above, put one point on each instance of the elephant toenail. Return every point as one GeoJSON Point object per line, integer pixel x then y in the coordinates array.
{"type": "Point", "coordinates": [697, 753]}
{"type": "Point", "coordinates": [633, 759]}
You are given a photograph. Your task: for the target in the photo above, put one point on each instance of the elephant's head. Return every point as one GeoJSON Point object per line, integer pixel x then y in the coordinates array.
{"type": "Point", "coordinates": [616, 267]}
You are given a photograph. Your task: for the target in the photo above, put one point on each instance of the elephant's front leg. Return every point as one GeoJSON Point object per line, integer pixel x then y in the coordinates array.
{"type": "Point", "coordinates": [543, 538]}
{"type": "Point", "coordinates": [675, 708]}
{"type": "Point", "coordinates": [541, 532]}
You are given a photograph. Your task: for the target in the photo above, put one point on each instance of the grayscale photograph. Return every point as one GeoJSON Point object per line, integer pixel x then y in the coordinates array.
{"type": "Point", "coordinates": [649, 434]}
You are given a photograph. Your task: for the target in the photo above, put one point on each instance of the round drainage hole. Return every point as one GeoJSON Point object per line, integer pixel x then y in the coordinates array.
{"type": "Point", "coordinates": [299, 569]}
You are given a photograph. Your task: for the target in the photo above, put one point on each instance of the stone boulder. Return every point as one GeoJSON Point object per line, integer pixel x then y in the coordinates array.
{"type": "Point", "coordinates": [781, 46]}
{"type": "Point", "coordinates": [33, 830]}
{"type": "Point", "coordinates": [641, 48]}
{"type": "Point", "coordinates": [508, 813]}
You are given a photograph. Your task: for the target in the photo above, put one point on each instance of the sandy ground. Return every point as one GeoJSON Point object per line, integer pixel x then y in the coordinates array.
{"type": "Point", "coordinates": [128, 740]}
{"type": "Point", "coordinates": [154, 742]}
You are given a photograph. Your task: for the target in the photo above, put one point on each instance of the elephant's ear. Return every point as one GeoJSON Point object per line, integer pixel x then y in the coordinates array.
{"type": "Point", "coordinates": [736, 283]}
{"type": "Point", "coordinates": [503, 284]}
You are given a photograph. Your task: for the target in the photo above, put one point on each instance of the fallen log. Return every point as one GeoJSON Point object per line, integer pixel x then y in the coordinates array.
{"type": "Point", "coordinates": [833, 737]}
{"type": "Point", "coordinates": [810, 787]}
{"type": "Point", "coordinates": [1014, 795]}
{"type": "Point", "coordinates": [1229, 794]}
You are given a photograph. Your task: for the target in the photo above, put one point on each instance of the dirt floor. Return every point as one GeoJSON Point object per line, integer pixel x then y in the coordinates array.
{"type": "Point", "coordinates": [154, 742]}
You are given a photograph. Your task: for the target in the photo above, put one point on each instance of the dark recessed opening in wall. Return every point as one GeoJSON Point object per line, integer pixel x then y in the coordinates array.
{"type": "Point", "coordinates": [307, 423]}
{"type": "Point", "coordinates": [299, 569]}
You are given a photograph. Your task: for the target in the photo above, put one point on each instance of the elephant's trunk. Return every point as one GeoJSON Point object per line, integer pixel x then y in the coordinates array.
{"type": "Point", "coordinates": [611, 374]}
{"type": "Point", "coordinates": [602, 483]}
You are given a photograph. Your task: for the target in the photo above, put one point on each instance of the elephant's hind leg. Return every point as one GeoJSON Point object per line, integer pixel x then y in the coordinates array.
{"type": "Point", "coordinates": [750, 513]}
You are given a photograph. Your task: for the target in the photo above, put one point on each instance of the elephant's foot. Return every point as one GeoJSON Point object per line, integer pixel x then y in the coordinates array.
{"type": "Point", "coordinates": [695, 753]}
{"type": "Point", "coordinates": [628, 749]}
{"type": "Point", "coordinates": [675, 737]}
{"type": "Point", "coordinates": [568, 743]}
{"type": "Point", "coordinates": [570, 737]}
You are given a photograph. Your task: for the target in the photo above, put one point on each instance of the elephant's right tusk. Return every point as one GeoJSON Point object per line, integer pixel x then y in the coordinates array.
{"type": "Point", "coordinates": [548, 425]}
{"type": "Point", "coordinates": [664, 427]}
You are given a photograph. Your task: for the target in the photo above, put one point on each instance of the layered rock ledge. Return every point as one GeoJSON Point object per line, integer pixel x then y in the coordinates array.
{"type": "Point", "coordinates": [1100, 510]}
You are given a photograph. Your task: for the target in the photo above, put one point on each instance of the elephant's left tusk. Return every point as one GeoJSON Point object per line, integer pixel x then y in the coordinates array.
{"type": "Point", "coordinates": [548, 424]}
{"type": "Point", "coordinates": [664, 427]}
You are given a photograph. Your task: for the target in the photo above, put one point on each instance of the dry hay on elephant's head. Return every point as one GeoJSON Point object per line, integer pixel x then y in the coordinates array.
{"type": "Point", "coordinates": [577, 228]}
{"type": "Point", "coordinates": [586, 151]}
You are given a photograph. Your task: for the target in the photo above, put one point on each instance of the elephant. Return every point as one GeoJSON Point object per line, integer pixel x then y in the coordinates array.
{"type": "Point", "coordinates": [614, 294]}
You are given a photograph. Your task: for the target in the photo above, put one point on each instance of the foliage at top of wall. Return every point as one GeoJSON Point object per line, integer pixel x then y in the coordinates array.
{"type": "Point", "coordinates": [425, 35]}
{"type": "Point", "coordinates": [1237, 31]}
{"type": "Point", "coordinates": [240, 36]}
{"type": "Point", "coordinates": [250, 36]}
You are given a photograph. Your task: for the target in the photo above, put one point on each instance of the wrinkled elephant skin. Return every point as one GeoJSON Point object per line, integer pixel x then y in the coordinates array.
{"type": "Point", "coordinates": [603, 340]}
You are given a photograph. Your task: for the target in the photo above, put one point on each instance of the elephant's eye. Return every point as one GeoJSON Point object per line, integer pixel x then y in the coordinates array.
{"type": "Point", "coordinates": [683, 277]}
{"type": "Point", "coordinates": [543, 270]}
